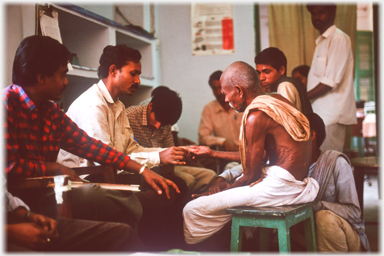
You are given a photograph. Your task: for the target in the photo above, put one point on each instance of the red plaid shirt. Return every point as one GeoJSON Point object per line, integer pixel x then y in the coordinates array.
{"type": "Point", "coordinates": [29, 148]}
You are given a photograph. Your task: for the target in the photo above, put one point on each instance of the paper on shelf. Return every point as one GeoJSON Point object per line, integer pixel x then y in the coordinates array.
{"type": "Point", "coordinates": [50, 27]}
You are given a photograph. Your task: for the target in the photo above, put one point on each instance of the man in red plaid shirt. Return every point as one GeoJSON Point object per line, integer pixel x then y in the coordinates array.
{"type": "Point", "coordinates": [35, 127]}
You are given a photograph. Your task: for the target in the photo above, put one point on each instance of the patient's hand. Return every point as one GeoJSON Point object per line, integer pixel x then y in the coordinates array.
{"type": "Point", "coordinates": [200, 150]}
{"type": "Point", "coordinates": [219, 185]}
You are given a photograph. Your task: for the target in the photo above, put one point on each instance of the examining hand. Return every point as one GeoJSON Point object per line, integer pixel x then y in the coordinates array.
{"type": "Point", "coordinates": [173, 155]}
{"type": "Point", "coordinates": [155, 180]}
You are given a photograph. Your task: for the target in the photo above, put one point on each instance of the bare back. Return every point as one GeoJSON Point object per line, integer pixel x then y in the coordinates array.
{"type": "Point", "coordinates": [263, 133]}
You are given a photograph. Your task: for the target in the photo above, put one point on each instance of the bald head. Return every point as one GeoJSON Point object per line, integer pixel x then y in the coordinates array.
{"type": "Point", "coordinates": [242, 74]}
{"type": "Point", "coordinates": [240, 84]}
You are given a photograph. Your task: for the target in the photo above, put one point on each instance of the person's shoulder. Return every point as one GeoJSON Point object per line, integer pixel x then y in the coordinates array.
{"type": "Point", "coordinates": [256, 116]}
{"type": "Point", "coordinates": [341, 36]}
{"type": "Point", "coordinates": [133, 110]}
{"type": "Point", "coordinates": [88, 97]}
{"type": "Point", "coordinates": [211, 106]}
{"type": "Point", "coordinates": [8, 94]}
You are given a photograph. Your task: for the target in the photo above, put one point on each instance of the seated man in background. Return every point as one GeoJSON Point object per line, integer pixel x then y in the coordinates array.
{"type": "Point", "coordinates": [263, 136]}
{"type": "Point", "coordinates": [35, 130]}
{"type": "Point", "coordinates": [28, 231]}
{"type": "Point", "coordinates": [219, 124]}
{"type": "Point", "coordinates": [102, 115]}
{"type": "Point", "coordinates": [338, 221]}
{"type": "Point", "coordinates": [271, 65]}
{"type": "Point", "coordinates": [301, 73]}
{"type": "Point", "coordinates": [151, 125]}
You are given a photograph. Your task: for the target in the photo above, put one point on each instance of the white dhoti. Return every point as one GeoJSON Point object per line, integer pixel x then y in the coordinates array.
{"type": "Point", "coordinates": [206, 215]}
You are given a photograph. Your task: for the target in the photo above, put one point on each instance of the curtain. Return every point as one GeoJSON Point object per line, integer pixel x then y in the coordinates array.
{"type": "Point", "coordinates": [291, 30]}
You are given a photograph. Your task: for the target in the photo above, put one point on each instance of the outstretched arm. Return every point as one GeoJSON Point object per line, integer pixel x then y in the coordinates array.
{"type": "Point", "coordinates": [204, 151]}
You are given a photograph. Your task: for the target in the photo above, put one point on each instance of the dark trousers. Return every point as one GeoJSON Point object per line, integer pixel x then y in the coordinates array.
{"type": "Point", "coordinates": [161, 226]}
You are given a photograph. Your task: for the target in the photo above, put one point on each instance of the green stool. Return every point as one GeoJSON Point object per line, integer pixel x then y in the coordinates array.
{"type": "Point", "coordinates": [280, 217]}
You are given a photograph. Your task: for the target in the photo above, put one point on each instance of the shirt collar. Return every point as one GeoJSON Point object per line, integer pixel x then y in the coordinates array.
{"type": "Point", "coordinates": [26, 102]}
{"type": "Point", "coordinates": [327, 33]}
{"type": "Point", "coordinates": [104, 91]}
{"type": "Point", "coordinates": [219, 108]}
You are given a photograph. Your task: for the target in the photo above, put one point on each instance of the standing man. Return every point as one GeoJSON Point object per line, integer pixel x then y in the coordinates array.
{"type": "Point", "coordinates": [219, 123]}
{"type": "Point", "coordinates": [271, 65]}
{"type": "Point", "coordinates": [330, 78]}
{"type": "Point", "coordinates": [272, 128]}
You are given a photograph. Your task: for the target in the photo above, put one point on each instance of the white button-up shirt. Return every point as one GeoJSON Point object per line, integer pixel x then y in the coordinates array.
{"type": "Point", "coordinates": [332, 65]}
{"type": "Point", "coordinates": [100, 117]}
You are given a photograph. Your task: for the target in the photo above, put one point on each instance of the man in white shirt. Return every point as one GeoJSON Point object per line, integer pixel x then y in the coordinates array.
{"type": "Point", "coordinates": [100, 113]}
{"type": "Point", "coordinates": [330, 79]}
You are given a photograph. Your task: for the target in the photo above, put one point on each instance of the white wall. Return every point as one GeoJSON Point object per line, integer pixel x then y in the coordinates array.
{"type": "Point", "coordinates": [187, 74]}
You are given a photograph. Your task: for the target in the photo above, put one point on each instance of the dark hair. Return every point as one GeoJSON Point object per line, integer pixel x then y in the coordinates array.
{"type": "Point", "coordinates": [38, 55]}
{"type": "Point", "coordinates": [158, 89]}
{"type": "Point", "coordinates": [302, 69]}
{"type": "Point", "coordinates": [167, 106]}
{"type": "Point", "coordinates": [118, 55]}
{"type": "Point", "coordinates": [214, 76]}
{"type": "Point", "coordinates": [316, 124]}
{"type": "Point", "coordinates": [331, 7]}
{"type": "Point", "coordinates": [272, 56]}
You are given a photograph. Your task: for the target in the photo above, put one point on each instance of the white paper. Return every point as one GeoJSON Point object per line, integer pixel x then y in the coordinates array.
{"type": "Point", "coordinates": [50, 27]}
{"type": "Point", "coordinates": [212, 29]}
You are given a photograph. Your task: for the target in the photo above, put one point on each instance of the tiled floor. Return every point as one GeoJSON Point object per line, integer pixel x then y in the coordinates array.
{"type": "Point", "coordinates": [372, 213]}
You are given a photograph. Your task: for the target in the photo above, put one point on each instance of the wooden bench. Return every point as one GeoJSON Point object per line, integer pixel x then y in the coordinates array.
{"type": "Point", "coordinates": [279, 217]}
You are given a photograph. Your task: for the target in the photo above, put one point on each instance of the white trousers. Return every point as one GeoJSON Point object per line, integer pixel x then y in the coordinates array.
{"type": "Point", "coordinates": [206, 215]}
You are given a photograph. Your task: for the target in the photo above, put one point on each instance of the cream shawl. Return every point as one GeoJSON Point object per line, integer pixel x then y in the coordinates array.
{"type": "Point", "coordinates": [294, 122]}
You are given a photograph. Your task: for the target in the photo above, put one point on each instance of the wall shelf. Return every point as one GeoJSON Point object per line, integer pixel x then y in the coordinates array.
{"type": "Point", "coordinates": [86, 34]}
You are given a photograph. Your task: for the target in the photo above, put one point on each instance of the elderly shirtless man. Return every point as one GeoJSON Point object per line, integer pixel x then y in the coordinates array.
{"type": "Point", "coordinates": [272, 129]}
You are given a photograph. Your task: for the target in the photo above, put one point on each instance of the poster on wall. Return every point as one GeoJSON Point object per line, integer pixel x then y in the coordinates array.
{"type": "Point", "coordinates": [212, 29]}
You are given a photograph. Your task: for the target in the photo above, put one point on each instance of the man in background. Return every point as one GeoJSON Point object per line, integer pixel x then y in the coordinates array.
{"type": "Point", "coordinates": [330, 78]}
{"type": "Point", "coordinates": [301, 74]}
{"type": "Point", "coordinates": [219, 124]}
{"type": "Point", "coordinates": [271, 65]}
{"type": "Point", "coordinates": [152, 127]}
{"type": "Point", "coordinates": [338, 221]}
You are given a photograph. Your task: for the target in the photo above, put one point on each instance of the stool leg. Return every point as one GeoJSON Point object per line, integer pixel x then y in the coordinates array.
{"type": "Point", "coordinates": [264, 238]}
{"type": "Point", "coordinates": [310, 236]}
{"type": "Point", "coordinates": [236, 235]}
{"type": "Point", "coordinates": [284, 238]}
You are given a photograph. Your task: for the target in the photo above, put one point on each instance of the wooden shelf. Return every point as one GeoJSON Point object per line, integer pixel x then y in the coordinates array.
{"type": "Point", "coordinates": [86, 34]}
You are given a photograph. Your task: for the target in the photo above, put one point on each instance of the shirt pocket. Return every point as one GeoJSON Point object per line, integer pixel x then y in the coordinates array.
{"type": "Point", "coordinates": [319, 69]}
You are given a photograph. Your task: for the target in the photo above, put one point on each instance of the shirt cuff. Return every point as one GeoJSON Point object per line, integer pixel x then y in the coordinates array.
{"type": "Point", "coordinates": [327, 81]}
{"type": "Point", "coordinates": [151, 159]}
